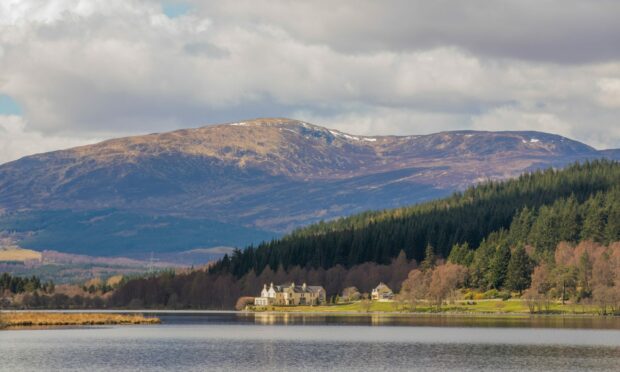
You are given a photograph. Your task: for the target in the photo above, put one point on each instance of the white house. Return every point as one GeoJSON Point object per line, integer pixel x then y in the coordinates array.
{"type": "Point", "coordinates": [291, 294]}
{"type": "Point", "coordinates": [382, 293]}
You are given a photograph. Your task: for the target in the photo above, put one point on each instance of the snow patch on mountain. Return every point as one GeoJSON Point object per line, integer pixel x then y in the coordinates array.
{"type": "Point", "coordinates": [344, 135]}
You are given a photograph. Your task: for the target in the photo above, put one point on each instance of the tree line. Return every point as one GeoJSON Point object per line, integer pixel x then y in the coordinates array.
{"type": "Point", "coordinates": [202, 289]}
{"type": "Point", "coordinates": [588, 273]}
{"type": "Point", "coordinates": [499, 232]}
{"type": "Point", "coordinates": [493, 264]}
{"type": "Point", "coordinates": [17, 284]}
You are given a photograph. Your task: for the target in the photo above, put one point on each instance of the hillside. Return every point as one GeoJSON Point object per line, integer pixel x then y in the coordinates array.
{"type": "Point", "coordinates": [578, 203]}
{"type": "Point", "coordinates": [557, 231]}
{"type": "Point", "coordinates": [15, 254]}
{"type": "Point", "coordinates": [246, 182]}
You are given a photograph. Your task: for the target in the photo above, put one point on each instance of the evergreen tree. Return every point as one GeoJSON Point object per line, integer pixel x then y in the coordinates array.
{"type": "Point", "coordinates": [521, 226]}
{"type": "Point", "coordinates": [544, 235]}
{"type": "Point", "coordinates": [519, 270]}
{"type": "Point", "coordinates": [481, 264]}
{"type": "Point", "coordinates": [429, 258]}
{"type": "Point", "coordinates": [499, 266]}
{"type": "Point", "coordinates": [461, 255]}
{"type": "Point", "coordinates": [585, 274]}
{"type": "Point", "coordinates": [612, 229]}
{"type": "Point", "coordinates": [594, 220]}
{"type": "Point", "coordinates": [569, 221]}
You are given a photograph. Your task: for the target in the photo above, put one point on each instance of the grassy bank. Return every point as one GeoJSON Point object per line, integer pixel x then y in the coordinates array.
{"type": "Point", "coordinates": [513, 306]}
{"type": "Point", "coordinates": [23, 319]}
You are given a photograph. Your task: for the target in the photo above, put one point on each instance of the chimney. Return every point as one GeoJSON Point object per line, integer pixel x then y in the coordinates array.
{"type": "Point", "coordinates": [303, 286]}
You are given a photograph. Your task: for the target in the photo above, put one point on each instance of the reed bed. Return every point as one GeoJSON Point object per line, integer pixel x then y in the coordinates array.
{"type": "Point", "coordinates": [25, 319]}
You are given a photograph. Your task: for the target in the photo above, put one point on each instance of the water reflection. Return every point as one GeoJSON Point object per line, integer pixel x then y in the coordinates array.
{"type": "Point", "coordinates": [418, 320]}
{"type": "Point", "coordinates": [302, 342]}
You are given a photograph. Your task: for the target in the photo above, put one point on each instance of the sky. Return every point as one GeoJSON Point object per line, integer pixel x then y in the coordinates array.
{"type": "Point", "coordinates": [74, 72]}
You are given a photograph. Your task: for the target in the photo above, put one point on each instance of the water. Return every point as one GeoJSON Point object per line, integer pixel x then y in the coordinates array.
{"type": "Point", "coordinates": [264, 342]}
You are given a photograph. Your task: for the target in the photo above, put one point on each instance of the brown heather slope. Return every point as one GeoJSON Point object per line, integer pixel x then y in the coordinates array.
{"type": "Point", "coordinates": [284, 147]}
{"type": "Point", "coordinates": [272, 174]}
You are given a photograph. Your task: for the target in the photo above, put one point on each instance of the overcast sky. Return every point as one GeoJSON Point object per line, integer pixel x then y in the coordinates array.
{"type": "Point", "coordinates": [78, 71]}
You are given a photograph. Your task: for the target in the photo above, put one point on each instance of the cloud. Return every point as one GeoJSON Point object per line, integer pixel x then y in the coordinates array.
{"type": "Point", "coordinates": [609, 94]}
{"type": "Point", "coordinates": [559, 31]}
{"type": "Point", "coordinates": [16, 141]}
{"type": "Point", "coordinates": [85, 69]}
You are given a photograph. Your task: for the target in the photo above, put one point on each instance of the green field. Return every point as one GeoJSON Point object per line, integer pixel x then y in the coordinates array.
{"type": "Point", "coordinates": [513, 306]}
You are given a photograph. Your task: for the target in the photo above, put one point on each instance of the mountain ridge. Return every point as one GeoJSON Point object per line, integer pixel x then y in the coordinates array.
{"type": "Point", "coordinates": [272, 174]}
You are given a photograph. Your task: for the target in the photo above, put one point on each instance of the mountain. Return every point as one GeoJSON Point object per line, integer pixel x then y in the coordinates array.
{"type": "Point", "coordinates": [257, 178]}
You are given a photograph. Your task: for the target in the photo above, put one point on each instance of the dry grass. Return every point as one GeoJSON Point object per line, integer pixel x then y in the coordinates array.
{"type": "Point", "coordinates": [18, 254]}
{"type": "Point", "coordinates": [20, 319]}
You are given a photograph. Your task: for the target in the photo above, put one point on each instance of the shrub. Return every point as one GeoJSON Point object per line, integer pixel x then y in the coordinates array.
{"type": "Point", "coordinates": [504, 295]}
{"type": "Point", "coordinates": [491, 293]}
{"type": "Point", "coordinates": [469, 295]}
{"type": "Point", "coordinates": [242, 302]}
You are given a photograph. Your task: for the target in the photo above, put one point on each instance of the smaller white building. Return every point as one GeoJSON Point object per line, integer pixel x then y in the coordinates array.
{"type": "Point", "coordinates": [382, 293]}
{"type": "Point", "coordinates": [267, 296]}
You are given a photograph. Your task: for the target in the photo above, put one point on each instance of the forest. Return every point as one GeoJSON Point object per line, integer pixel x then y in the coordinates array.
{"type": "Point", "coordinates": [496, 235]}
{"type": "Point", "coordinates": [465, 218]}
{"type": "Point", "coordinates": [31, 292]}
{"type": "Point", "coordinates": [17, 284]}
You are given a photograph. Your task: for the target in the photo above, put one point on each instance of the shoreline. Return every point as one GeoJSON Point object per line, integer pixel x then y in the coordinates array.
{"type": "Point", "coordinates": [311, 312]}
{"type": "Point", "coordinates": [434, 314]}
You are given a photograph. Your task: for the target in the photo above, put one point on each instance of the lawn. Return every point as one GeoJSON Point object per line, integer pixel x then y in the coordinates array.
{"type": "Point", "coordinates": [491, 306]}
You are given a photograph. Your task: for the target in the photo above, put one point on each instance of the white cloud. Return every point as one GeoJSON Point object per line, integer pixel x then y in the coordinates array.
{"type": "Point", "coordinates": [371, 120]}
{"type": "Point", "coordinates": [16, 141]}
{"type": "Point", "coordinates": [521, 119]}
{"type": "Point", "coordinates": [101, 68]}
{"type": "Point", "coordinates": [609, 92]}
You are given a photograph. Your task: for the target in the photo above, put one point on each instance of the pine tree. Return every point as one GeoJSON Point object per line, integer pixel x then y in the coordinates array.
{"type": "Point", "coordinates": [481, 264]}
{"type": "Point", "coordinates": [461, 255]}
{"type": "Point", "coordinates": [499, 266]}
{"type": "Point", "coordinates": [519, 270]}
{"type": "Point", "coordinates": [569, 224]}
{"type": "Point", "coordinates": [521, 226]}
{"type": "Point", "coordinates": [545, 231]}
{"type": "Point", "coordinates": [594, 220]}
{"type": "Point", "coordinates": [429, 258]}
{"type": "Point", "coordinates": [612, 229]}
{"type": "Point", "coordinates": [585, 274]}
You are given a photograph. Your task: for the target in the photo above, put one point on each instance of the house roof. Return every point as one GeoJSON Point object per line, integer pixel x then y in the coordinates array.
{"type": "Point", "coordinates": [299, 288]}
{"type": "Point", "coordinates": [382, 288]}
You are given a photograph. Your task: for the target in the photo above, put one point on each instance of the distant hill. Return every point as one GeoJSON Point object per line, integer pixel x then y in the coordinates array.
{"type": "Point", "coordinates": [233, 184]}
{"type": "Point", "coordinates": [111, 232]}
{"type": "Point", "coordinates": [16, 254]}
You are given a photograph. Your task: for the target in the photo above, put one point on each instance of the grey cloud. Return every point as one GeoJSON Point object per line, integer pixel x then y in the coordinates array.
{"type": "Point", "coordinates": [206, 49]}
{"type": "Point", "coordinates": [559, 31]}
{"type": "Point", "coordinates": [100, 69]}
